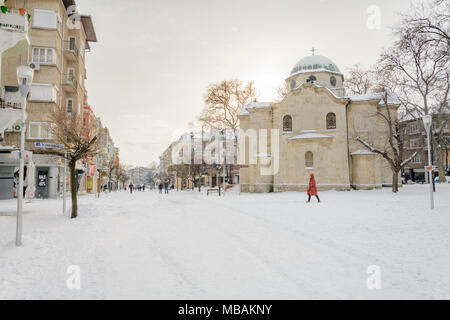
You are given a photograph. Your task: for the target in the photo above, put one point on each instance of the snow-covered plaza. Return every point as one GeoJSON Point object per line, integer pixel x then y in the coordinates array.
{"type": "Point", "coordinates": [271, 246]}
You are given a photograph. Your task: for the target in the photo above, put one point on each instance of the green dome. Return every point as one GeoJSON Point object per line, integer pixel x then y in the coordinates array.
{"type": "Point", "coordinates": [315, 63]}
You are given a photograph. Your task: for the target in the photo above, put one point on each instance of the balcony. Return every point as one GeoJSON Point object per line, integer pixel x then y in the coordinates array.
{"type": "Point", "coordinates": [13, 32]}
{"type": "Point", "coordinates": [9, 114]}
{"type": "Point", "coordinates": [71, 51]}
{"type": "Point", "coordinates": [71, 84]}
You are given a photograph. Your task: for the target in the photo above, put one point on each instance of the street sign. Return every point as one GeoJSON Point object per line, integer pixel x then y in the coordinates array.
{"type": "Point", "coordinates": [431, 168]}
{"type": "Point", "coordinates": [45, 145]}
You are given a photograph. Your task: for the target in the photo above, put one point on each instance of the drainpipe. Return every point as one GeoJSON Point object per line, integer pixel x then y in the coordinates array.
{"type": "Point", "coordinates": [348, 144]}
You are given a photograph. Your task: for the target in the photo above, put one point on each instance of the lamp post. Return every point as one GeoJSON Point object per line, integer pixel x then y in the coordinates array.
{"type": "Point", "coordinates": [427, 122]}
{"type": "Point", "coordinates": [25, 77]}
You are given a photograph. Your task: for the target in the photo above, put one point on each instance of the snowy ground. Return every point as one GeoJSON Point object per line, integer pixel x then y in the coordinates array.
{"type": "Point", "coordinates": [188, 246]}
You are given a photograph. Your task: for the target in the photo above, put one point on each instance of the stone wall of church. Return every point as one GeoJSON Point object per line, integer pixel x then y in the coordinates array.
{"type": "Point", "coordinates": [323, 79]}
{"type": "Point", "coordinates": [251, 179]}
{"type": "Point", "coordinates": [309, 107]}
{"type": "Point", "coordinates": [364, 122]}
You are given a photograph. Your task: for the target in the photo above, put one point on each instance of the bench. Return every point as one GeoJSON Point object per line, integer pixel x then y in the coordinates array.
{"type": "Point", "coordinates": [212, 190]}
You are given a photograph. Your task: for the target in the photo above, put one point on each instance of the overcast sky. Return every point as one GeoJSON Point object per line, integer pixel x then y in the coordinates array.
{"type": "Point", "coordinates": [154, 59]}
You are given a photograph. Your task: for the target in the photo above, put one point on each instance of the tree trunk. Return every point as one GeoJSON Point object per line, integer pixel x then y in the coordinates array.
{"type": "Point", "coordinates": [395, 181]}
{"type": "Point", "coordinates": [73, 189]}
{"type": "Point", "coordinates": [439, 158]}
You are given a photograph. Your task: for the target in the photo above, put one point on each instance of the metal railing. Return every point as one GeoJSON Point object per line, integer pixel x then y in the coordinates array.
{"type": "Point", "coordinates": [70, 46]}
{"type": "Point", "coordinates": [71, 80]}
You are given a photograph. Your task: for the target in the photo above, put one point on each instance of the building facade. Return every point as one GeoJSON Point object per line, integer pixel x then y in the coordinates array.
{"type": "Point", "coordinates": [415, 140]}
{"type": "Point", "coordinates": [57, 53]}
{"type": "Point", "coordinates": [312, 131]}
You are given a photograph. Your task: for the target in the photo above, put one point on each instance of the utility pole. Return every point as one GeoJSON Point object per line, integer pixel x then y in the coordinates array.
{"type": "Point", "coordinates": [428, 121]}
{"type": "Point", "coordinates": [25, 78]}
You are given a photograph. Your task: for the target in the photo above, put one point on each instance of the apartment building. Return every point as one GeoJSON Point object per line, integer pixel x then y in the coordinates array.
{"type": "Point", "coordinates": [57, 52]}
{"type": "Point", "coordinates": [14, 25]}
{"type": "Point", "coordinates": [415, 140]}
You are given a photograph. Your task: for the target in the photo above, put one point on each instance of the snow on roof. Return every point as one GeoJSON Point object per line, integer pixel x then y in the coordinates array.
{"type": "Point", "coordinates": [310, 134]}
{"type": "Point", "coordinates": [257, 105]}
{"type": "Point", "coordinates": [361, 152]}
{"type": "Point", "coordinates": [315, 63]}
{"type": "Point", "coordinates": [244, 112]}
{"type": "Point", "coordinates": [253, 105]}
{"type": "Point", "coordinates": [392, 98]}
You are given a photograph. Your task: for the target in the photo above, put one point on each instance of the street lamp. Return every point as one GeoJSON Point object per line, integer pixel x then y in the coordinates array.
{"type": "Point", "coordinates": [25, 78]}
{"type": "Point", "coordinates": [427, 122]}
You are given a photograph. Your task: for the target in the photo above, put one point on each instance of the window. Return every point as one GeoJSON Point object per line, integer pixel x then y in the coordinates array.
{"type": "Point", "coordinates": [72, 43]}
{"type": "Point", "coordinates": [43, 92]}
{"type": "Point", "coordinates": [311, 79]}
{"type": "Point", "coordinates": [39, 130]}
{"type": "Point", "coordinates": [415, 143]}
{"type": "Point", "coordinates": [417, 159]}
{"type": "Point", "coordinates": [69, 105]}
{"type": "Point", "coordinates": [293, 84]}
{"type": "Point", "coordinates": [414, 128]}
{"type": "Point", "coordinates": [333, 81]}
{"type": "Point", "coordinates": [287, 124]}
{"type": "Point", "coordinates": [44, 55]}
{"type": "Point", "coordinates": [331, 121]}
{"type": "Point", "coordinates": [45, 19]}
{"type": "Point", "coordinates": [309, 159]}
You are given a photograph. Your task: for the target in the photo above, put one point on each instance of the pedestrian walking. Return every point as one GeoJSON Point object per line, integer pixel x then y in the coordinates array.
{"type": "Point", "coordinates": [131, 186]}
{"type": "Point", "coordinates": [166, 187]}
{"type": "Point", "coordinates": [312, 189]}
{"type": "Point", "coordinates": [160, 187]}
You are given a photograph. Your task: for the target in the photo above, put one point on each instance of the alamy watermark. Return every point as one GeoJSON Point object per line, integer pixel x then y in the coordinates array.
{"type": "Point", "coordinates": [256, 147]}
{"type": "Point", "coordinates": [374, 279]}
{"type": "Point", "coordinates": [374, 17]}
{"type": "Point", "coordinates": [73, 282]}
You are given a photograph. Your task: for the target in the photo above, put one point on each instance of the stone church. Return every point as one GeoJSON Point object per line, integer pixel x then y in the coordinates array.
{"type": "Point", "coordinates": [317, 127]}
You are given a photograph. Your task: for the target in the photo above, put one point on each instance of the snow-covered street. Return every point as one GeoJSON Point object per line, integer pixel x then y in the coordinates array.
{"type": "Point", "coordinates": [272, 246]}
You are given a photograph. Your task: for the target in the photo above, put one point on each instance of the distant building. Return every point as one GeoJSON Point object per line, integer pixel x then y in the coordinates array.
{"type": "Point", "coordinates": [415, 140]}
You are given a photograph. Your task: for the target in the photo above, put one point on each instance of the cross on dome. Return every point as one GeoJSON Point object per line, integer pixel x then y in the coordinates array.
{"type": "Point", "coordinates": [313, 50]}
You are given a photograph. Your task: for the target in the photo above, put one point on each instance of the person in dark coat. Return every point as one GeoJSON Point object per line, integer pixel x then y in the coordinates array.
{"type": "Point", "coordinates": [131, 186]}
{"type": "Point", "coordinates": [160, 187]}
{"type": "Point", "coordinates": [312, 189]}
{"type": "Point", "coordinates": [166, 187]}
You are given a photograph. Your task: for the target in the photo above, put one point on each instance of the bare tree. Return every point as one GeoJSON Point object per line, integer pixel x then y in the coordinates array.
{"type": "Point", "coordinates": [432, 20]}
{"type": "Point", "coordinates": [110, 167]}
{"type": "Point", "coordinates": [359, 80]}
{"type": "Point", "coordinates": [122, 175]}
{"type": "Point", "coordinates": [420, 62]}
{"type": "Point", "coordinates": [223, 103]}
{"type": "Point", "coordinates": [79, 144]}
{"type": "Point", "coordinates": [282, 91]}
{"type": "Point", "coordinates": [390, 147]}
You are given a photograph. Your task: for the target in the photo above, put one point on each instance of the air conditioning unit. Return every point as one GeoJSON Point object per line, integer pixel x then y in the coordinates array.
{"type": "Point", "coordinates": [35, 66]}
{"type": "Point", "coordinates": [16, 128]}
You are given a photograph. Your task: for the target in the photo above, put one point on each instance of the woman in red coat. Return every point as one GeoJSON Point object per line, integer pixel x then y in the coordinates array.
{"type": "Point", "coordinates": [312, 190]}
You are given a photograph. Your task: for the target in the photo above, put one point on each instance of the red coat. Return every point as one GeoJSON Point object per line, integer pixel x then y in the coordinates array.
{"type": "Point", "coordinates": [312, 190]}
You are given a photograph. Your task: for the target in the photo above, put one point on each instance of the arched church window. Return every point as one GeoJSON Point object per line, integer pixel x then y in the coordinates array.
{"type": "Point", "coordinates": [311, 79]}
{"type": "Point", "coordinates": [333, 81]}
{"type": "Point", "coordinates": [287, 124]}
{"type": "Point", "coordinates": [293, 84]}
{"type": "Point", "coordinates": [331, 121]}
{"type": "Point", "coordinates": [309, 159]}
